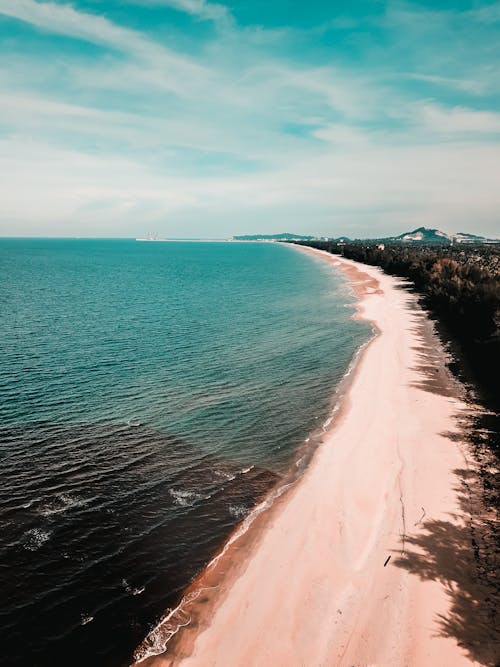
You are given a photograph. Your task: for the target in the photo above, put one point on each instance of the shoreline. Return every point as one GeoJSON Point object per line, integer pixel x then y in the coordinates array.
{"type": "Point", "coordinates": [203, 593]}
{"type": "Point", "coordinates": [325, 545]}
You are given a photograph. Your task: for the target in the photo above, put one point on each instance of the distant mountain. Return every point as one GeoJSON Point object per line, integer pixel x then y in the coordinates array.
{"type": "Point", "coordinates": [286, 236]}
{"type": "Point", "coordinates": [423, 235]}
{"type": "Point", "coordinates": [463, 237]}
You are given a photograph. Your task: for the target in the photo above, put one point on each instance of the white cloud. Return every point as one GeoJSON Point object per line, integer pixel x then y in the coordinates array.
{"type": "Point", "coordinates": [199, 8]}
{"type": "Point", "coordinates": [37, 116]}
{"type": "Point", "coordinates": [451, 186]}
{"type": "Point", "coordinates": [459, 120]}
{"type": "Point", "coordinates": [266, 82]}
{"type": "Point", "coordinates": [473, 86]}
{"type": "Point", "coordinates": [65, 20]}
{"type": "Point", "coordinates": [142, 138]}
{"type": "Point", "coordinates": [338, 133]}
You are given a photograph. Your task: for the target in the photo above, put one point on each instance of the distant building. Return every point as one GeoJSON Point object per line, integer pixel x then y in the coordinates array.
{"type": "Point", "coordinates": [381, 246]}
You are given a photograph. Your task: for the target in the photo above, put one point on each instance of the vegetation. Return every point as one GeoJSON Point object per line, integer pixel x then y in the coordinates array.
{"type": "Point", "coordinates": [460, 286]}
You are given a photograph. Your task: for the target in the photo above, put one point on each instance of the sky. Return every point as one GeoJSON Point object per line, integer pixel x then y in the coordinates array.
{"type": "Point", "coordinates": [190, 118]}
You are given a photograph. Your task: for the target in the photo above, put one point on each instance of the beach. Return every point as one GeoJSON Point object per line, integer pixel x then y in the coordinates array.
{"type": "Point", "coordinates": [365, 560]}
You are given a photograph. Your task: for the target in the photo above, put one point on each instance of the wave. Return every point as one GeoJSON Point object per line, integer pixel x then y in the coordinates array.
{"type": "Point", "coordinates": [157, 640]}
{"type": "Point", "coordinates": [62, 502]}
{"type": "Point", "coordinates": [35, 538]}
{"type": "Point", "coordinates": [221, 474]}
{"type": "Point", "coordinates": [135, 445]}
{"type": "Point", "coordinates": [238, 511]}
{"type": "Point", "coordinates": [186, 498]}
{"type": "Point", "coordinates": [177, 618]}
{"type": "Point", "coordinates": [134, 591]}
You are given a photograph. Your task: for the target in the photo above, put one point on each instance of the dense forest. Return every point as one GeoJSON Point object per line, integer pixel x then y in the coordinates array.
{"type": "Point", "coordinates": [460, 286]}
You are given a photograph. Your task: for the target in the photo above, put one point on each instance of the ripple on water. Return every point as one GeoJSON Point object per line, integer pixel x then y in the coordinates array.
{"type": "Point", "coordinates": [108, 349]}
{"type": "Point", "coordinates": [34, 538]}
{"type": "Point", "coordinates": [109, 541]}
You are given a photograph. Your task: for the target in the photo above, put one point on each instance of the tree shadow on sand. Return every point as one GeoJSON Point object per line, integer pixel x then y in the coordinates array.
{"type": "Point", "coordinates": [463, 561]}
{"type": "Point", "coordinates": [461, 553]}
{"type": "Point", "coordinates": [433, 356]}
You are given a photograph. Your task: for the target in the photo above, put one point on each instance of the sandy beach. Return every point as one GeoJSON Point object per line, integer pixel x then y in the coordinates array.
{"type": "Point", "coordinates": [365, 561]}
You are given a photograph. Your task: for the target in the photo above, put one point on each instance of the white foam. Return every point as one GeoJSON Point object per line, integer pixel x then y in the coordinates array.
{"type": "Point", "coordinates": [61, 503]}
{"type": "Point", "coordinates": [224, 475]}
{"type": "Point", "coordinates": [35, 537]}
{"type": "Point", "coordinates": [157, 640]}
{"type": "Point", "coordinates": [134, 591]}
{"type": "Point", "coordinates": [185, 498]}
{"type": "Point", "coordinates": [245, 525]}
{"type": "Point", "coordinates": [238, 511]}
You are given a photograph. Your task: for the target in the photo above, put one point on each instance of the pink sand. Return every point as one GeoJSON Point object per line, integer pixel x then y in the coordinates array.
{"type": "Point", "coordinates": [315, 590]}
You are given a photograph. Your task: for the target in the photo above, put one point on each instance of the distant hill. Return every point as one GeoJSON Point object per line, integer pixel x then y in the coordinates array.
{"type": "Point", "coordinates": [423, 235]}
{"type": "Point", "coordinates": [462, 237]}
{"type": "Point", "coordinates": [286, 236]}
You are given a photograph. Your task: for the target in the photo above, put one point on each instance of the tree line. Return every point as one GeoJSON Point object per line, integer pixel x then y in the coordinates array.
{"type": "Point", "coordinates": [460, 286]}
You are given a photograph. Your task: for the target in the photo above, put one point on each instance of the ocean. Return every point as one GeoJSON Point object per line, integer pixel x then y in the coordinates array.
{"type": "Point", "coordinates": [151, 394]}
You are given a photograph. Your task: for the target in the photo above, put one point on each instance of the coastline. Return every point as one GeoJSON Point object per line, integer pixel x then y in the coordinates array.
{"type": "Point", "coordinates": [328, 575]}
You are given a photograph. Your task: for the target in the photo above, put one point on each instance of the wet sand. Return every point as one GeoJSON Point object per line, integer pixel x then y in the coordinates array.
{"type": "Point", "coordinates": [340, 570]}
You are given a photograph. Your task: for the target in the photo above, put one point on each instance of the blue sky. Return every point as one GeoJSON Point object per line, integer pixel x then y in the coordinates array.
{"type": "Point", "coordinates": [196, 118]}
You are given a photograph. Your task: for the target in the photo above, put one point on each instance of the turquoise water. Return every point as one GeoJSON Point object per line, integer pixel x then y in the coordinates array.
{"type": "Point", "coordinates": [150, 393]}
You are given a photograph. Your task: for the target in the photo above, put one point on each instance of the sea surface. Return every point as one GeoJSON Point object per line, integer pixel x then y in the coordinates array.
{"type": "Point", "coordinates": [150, 395]}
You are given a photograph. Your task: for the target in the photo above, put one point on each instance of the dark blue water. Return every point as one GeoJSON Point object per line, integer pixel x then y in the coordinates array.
{"type": "Point", "coordinates": [150, 395]}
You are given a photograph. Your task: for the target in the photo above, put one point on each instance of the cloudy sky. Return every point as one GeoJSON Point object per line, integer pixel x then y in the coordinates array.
{"type": "Point", "coordinates": [194, 118]}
